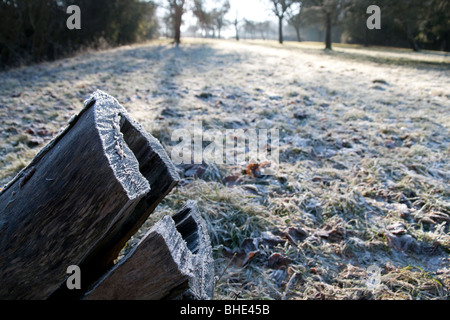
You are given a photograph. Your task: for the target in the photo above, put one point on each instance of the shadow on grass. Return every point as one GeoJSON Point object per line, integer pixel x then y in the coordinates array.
{"type": "Point", "coordinates": [378, 55]}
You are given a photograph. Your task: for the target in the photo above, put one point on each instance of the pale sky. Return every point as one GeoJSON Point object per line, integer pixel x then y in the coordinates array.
{"type": "Point", "coordinates": [255, 10]}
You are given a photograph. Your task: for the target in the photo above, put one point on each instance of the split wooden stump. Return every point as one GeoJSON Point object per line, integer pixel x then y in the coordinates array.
{"type": "Point", "coordinates": [81, 199]}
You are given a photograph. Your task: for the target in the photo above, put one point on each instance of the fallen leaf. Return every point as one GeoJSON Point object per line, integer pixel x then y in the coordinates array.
{"type": "Point", "coordinates": [295, 234]}
{"type": "Point", "coordinates": [193, 170]}
{"type": "Point", "coordinates": [277, 261]}
{"type": "Point", "coordinates": [29, 131]}
{"type": "Point", "coordinates": [403, 242]}
{"type": "Point", "coordinates": [247, 252]}
{"type": "Point", "coordinates": [268, 238]}
{"type": "Point", "coordinates": [249, 256]}
{"type": "Point", "coordinates": [253, 170]}
{"type": "Point", "coordinates": [300, 115]}
{"type": "Point", "coordinates": [381, 81]}
{"type": "Point", "coordinates": [204, 95]}
{"type": "Point", "coordinates": [249, 244]}
{"type": "Point", "coordinates": [259, 169]}
{"type": "Point", "coordinates": [234, 180]}
{"type": "Point", "coordinates": [397, 228]}
{"type": "Point", "coordinates": [331, 232]}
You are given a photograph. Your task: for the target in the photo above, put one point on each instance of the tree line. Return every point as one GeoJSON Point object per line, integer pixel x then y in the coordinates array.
{"type": "Point", "coordinates": [35, 30]}
{"type": "Point", "coordinates": [419, 24]}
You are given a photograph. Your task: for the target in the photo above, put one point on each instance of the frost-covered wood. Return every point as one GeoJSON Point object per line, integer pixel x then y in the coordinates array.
{"type": "Point", "coordinates": [193, 229]}
{"type": "Point", "coordinates": [173, 260]}
{"type": "Point", "coordinates": [79, 200]}
{"type": "Point", "coordinates": [159, 265]}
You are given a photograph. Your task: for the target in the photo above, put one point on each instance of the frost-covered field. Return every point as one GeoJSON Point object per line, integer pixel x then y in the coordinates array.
{"type": "Point", "coordinates": [364, 174]}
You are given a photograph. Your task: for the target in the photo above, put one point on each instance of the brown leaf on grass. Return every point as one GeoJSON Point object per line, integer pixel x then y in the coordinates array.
{"type": "Point", "coordinates": [193, 170]}
{"type": "Point", "coordinates": [269, 239]}
{"type": "Point", "coordinates": [399, 240]}
{"type": "Point", "coordinates": [249, 244]}
{"type": "Point", "coordinates": [237, 258]}
{"type": "Point", "coordinates": [278, 261]}
{"type": "Point", "coordinates": [249, 249]}
{"type": "Point", "coordinates": [231, 181]}
{"type": "Point", "coordinates": [295, 235]}
{"type": "Point", "coordinates": [397, 228]}
{"type": "Point", "coordinates": [44, 132]}
{"type": "Point", "coordinates": [333, 232]}
{"type": "Point", "coordinates": [29, 131]}
{"type": "Point", "coordinates": [38, 131]}
{"type": "Point", "coordinates": [253, 170]}
{"type": "Point", "coordinates": [403, 242]}
{"type": "Point", "coordinates": [257, 169]}
{"type": "Point", "coordinates": [250, 255]}
{"type": "Point", "coordinates": [247, 252]}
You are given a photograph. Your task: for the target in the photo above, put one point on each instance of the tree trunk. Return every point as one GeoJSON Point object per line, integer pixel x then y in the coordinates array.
{"type": "Point", "coordinates": [280, 29]}
{"type": "Point", "coordinates": [328, 32]}
{"type": "Point", "coordinates": [177, 24]}
{"type": "Point", "coordinates": [177, 37]}
{"type": "Point", "coordinates": [366, 38]}
{"type": "Point", "coordinates": [297, 32]}
{"type": "Point", "coordinates": [79, 201]}
{"type": "Point", "coordinates": [412, 42]}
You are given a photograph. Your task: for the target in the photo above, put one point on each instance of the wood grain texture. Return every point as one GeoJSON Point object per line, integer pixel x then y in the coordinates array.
{"type": "Point", "coordinates": [192, 227]}
{"type": "Point", "coordinates": [158, 266]}
{"type": "Point", "coordinates": [64, 205]}
{"type": "Point", "coordinates": [173, 260]}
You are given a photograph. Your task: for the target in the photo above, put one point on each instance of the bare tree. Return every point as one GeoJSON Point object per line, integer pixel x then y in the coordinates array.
{"type": "Point", "coordinates": [263, 28]}
{"type": "Point", "coordinates": [218, 16]}
{"type": "Point", "coordinates": [176, 11]}
{"type": "Point", "coordinates": [407, 13]}
{"type": "Point", "coordinates": [294, 17]}
{"type": "Point", "coordinates": [280, 7]}
{"type": "Point", "coordinates": [328, 11]}
{"type": "Point", "coordinates": [236, 26]}
{"type": "Point", "coordinates": [214, 19]}
{"type": "Point", "coordinates": [204, 18]}
{"type": "Point", "coordinates": [249, 28]}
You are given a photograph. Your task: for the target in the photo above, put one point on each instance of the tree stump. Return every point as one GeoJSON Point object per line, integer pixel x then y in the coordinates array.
{"type": "Point", "coordinates": [79, 201]}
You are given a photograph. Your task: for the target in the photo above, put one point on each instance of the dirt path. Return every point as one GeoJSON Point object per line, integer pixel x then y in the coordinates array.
{"type": "Point", "coordinates": [364, 147]}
